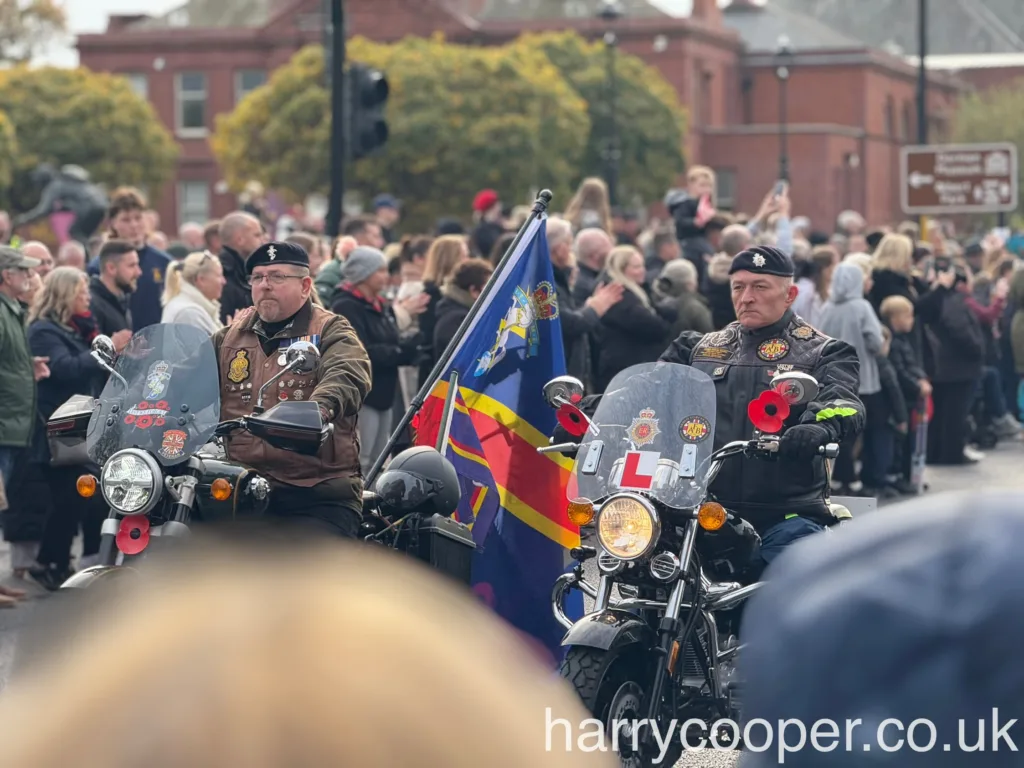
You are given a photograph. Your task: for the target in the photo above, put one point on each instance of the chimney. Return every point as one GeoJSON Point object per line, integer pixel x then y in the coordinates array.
{"type": "Point", "coordinates": [116, 22]}
{"type": "Point", "coordinates": [708, 12]}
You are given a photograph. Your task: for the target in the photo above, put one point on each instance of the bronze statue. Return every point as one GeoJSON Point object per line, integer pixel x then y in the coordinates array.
{"type": "Point", "coordinates": [67, 190]}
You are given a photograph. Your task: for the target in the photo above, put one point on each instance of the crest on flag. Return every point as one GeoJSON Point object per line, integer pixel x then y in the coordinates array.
{"type": "Point", "coordinates": [521, 319]}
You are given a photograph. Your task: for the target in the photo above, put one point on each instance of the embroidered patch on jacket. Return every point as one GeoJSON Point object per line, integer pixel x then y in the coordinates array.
{"type": "Point", "coordinates": [714, 353]}
{"type": "Point", "coordinates": [802, 332]}
{"type": "Point", "coordinates": [773, 349]}
{"type": "Point", "coordinates": [238, 369]}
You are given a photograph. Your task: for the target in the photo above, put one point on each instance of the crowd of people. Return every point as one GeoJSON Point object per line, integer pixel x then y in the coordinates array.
{"type": "Point", "coordinates": [938, 324]}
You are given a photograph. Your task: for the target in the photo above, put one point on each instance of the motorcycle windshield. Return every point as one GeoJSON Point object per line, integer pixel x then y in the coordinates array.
{"type": "Point", "coordinates": [169, 401]}
{"type": "Point", "coordinates": [652, 433]}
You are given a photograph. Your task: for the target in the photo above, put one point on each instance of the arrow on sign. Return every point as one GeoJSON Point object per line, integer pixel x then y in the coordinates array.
{"type": "Point", "coordinates": [918, 180]}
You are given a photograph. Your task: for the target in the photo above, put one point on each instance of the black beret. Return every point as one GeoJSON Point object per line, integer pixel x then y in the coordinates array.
{"type": "Point", "coordinates": [763, 260]}
{"type": "Point", "coordinates": [277, 253]}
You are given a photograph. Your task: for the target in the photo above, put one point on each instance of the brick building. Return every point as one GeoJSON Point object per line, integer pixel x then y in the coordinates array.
{"type": "Point", "coordinates": [850, 105]}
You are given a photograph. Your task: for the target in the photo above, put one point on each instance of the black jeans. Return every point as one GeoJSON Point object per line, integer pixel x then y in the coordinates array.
{"type": "Point", "coordinates": [324, 508]}
{"type": "Point", "coordinates": [879, 441]}
{"type": "Point", "coordinates": [68, 511]}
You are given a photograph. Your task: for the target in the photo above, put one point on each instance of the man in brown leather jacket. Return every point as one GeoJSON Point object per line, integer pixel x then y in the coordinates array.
{"type": "Point", "coordinates": [325, 489]}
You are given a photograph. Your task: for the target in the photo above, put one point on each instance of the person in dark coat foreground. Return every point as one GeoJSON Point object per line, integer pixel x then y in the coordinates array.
{"type": "Point", "coordinates": [908, 615]}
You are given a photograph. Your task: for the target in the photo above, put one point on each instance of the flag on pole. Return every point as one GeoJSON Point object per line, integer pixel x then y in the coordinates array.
{"type": "Point", "coordinates": [516, 496]}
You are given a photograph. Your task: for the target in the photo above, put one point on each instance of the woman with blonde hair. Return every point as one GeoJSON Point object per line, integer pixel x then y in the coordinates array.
{"type": "Point", "coordinates": [445, 254]}
{"type": "Point", "coordinates": [590, 206]}
{"type": "Point", "coordinates": [46, 507]}
{"type": "Point", "coordinates": [192, 292]}
{"type": "Point", "coordinates": [636, 330]}
{"type": "Point", "coordinates": [892, 268]}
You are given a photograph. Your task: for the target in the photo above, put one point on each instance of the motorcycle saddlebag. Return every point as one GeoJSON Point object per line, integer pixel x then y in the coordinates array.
{"type": "Point", "coordinates": [444, 544]}
{"type": "Point", "coordinates": [66, 432]}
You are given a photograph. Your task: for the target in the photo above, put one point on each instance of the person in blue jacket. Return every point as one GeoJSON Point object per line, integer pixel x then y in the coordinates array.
{"type": "Point", "coordinates": [127, 222]}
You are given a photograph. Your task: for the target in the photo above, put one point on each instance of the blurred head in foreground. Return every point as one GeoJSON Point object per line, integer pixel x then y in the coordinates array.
{"type": "Point", "coordinates": [904, 616]}
{"type": "Point", "coordinates": [332, 656]}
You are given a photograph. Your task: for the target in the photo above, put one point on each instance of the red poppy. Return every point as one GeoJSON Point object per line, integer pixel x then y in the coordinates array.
{"type": "Point", "coordinates": [769, 411]}
{"type": "Point", "coordinates": [133, 537]}
{"type": "Point", "coordinates": [572, 420]}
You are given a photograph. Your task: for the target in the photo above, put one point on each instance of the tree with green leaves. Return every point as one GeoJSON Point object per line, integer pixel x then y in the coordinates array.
{"type": "Point", "coordinates": [461, 118]}
{"type": "Point", "coordinates": [79, 117]}
{"type": "Point", "coordinates": [993, 115]}
{"type": "Point", "coordinates": [651, 123]}
{"type": "Point", "coordinates": [8, 151]}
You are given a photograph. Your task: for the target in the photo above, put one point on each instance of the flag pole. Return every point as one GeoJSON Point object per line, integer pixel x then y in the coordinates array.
{"type": "Point", "coordinates": [446, 416]}
{"type": "Point", "coordinates": [540, 207]}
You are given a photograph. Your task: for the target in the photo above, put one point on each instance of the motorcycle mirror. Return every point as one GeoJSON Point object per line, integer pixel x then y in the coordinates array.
{"type": "Point", "coordinates": [105, 348]}
{"type": "Point", "coordinates": [302, 357]}
{"type": "Point", "coordinates": [562, 390]}
{"type": "Point", "coordinates": [796, 387]}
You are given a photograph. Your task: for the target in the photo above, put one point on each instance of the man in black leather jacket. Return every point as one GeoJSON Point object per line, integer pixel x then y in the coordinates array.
{"type": "Point", "coordinates": [783, 499]}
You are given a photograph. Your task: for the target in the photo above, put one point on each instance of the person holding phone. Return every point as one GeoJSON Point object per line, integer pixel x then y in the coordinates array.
{"type": "Point", "coordinates": [691, 211]}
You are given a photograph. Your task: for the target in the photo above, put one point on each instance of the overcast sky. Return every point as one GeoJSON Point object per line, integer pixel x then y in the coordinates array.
{"type": "Point", "coordinates": [91, 16]}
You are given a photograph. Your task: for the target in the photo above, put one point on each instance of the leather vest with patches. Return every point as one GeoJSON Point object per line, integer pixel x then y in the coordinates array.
{"type": "Point", "coordinates": [244, 368]}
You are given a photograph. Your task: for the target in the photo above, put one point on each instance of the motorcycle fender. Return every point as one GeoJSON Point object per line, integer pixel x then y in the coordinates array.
{"type": "Point", "coordinates": [90, 576]}
{"type": "Point", "coordinates": [610, 629]}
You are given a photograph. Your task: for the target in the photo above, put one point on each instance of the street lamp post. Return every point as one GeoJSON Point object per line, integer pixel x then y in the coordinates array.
{"type": "Point", "coordinates": [784, 54]}
{"type": "Point", "coordinates": [611, 11]}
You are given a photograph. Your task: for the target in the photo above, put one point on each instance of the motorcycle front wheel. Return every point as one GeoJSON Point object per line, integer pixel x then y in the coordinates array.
{"type": "Point", "coordinates": [612, 687]}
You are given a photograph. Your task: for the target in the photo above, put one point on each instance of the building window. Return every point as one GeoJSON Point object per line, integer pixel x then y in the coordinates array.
{"type": "Point", "coordinates": [725, 189]}
{"type": "Point", "coordinates": [247, 80]}
{"type": "Point", "coordinates": [890, 118]}
{"type": "Point", "coordinates": [139, 83]}
{"type": "Point", "coordinates": [193, 202]}
{"type": "Point", "coordinates": [907, 129]}
{"type": "Point", "coordinates": [191, 100]}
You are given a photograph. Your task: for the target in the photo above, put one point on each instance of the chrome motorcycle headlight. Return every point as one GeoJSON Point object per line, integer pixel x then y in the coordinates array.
{"type": "Point", "coordinates": [628, 527]}
{"type": "Point", "coordinates": [131, 481]}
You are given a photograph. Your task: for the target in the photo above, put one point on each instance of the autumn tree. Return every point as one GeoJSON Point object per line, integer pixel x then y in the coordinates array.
{"type": "Point", "coordinates": [993, 115]}
{"type": "Point", "coordinates": [461, 118]}
{"type": "Point", "coordinates": [27, 27]}
{"type": "Point", "coordinates": [79, 117]}
{"type": "Point", "coordinates": [8, 150]}
{"type": "Point", "coordinates": [650, 121]}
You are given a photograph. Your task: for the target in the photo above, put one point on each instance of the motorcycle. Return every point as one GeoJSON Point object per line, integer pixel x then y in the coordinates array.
{"type": "Point", "coordinates": [156, 444]}
{"type": "Point", "coordinates": [682, 565]}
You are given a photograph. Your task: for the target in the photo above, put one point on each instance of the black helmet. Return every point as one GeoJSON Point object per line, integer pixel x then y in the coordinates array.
{"type": "Point", "coordinates": [418, 480]}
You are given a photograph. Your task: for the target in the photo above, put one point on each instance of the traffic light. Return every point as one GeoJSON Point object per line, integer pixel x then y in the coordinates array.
{"type": "Point", "coordinates": [368, 91]}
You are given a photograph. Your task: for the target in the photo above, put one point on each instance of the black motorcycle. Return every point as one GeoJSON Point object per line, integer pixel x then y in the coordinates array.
{"type": "Point", "coordinates": [682, 565]}
{"type": "Point", "coordinates": [156, 442]}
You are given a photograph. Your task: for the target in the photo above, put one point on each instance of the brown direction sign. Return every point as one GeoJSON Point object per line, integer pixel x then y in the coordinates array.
{"type": "Point", "coordinates": [959, 178]}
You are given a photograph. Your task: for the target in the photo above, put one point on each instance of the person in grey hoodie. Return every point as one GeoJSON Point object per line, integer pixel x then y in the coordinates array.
{"type": "Point", "coordinates": [849, 317]}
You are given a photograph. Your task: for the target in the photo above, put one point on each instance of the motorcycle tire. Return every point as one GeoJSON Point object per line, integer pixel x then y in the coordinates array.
{"type": "Point", "coordinates": [599, 679]}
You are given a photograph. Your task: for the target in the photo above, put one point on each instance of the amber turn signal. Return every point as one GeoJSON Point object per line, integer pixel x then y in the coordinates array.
{"type": "Point", "coordinates": [86, 486]}
{"type": "Point", "coordinates": [220, 489]}
{"type": "Point", "coordinates": [711, 516]}
{"type": "Point", "coordinates": [580, 511]}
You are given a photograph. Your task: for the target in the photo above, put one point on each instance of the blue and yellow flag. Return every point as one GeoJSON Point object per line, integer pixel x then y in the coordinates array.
{"type": "Point", "coordinates": [515, 495]}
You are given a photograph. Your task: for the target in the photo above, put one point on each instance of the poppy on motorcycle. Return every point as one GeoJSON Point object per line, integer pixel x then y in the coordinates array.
{"type": "Point", "coordinates": [768, 412]}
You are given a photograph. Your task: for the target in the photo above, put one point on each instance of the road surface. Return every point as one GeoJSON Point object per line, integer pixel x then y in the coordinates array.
{"type": "Point", "coordinates": [999, 470]}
